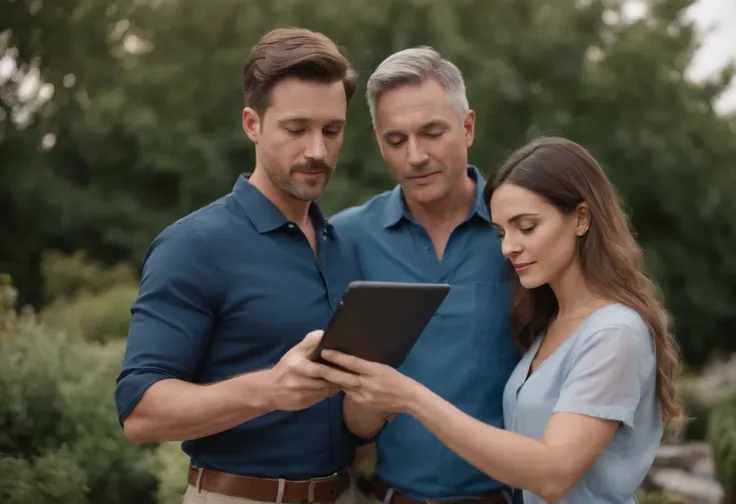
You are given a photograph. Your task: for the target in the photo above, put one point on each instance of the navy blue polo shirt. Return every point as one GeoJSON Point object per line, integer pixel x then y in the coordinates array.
{"type": "Point", "coordinates": [228, 290]}
{"type": "Point", "coordinates": [466, 354]}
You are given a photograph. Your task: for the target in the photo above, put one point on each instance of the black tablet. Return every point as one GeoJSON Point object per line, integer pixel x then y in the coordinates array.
{"type": "Point", "coordinates": [381, 321]}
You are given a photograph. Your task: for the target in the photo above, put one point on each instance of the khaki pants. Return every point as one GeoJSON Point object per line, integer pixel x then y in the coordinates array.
{"type": "Point", "coordinates": [350, 496]}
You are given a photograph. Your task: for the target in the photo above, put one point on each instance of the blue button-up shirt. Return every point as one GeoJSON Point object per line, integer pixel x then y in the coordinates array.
{"type": "Point", "coordinates": [228, 290]}
{"type": "Point", "coordinates": [465, 354]}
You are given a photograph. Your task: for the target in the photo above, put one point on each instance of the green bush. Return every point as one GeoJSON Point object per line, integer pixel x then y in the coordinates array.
{"type": "Point", "coordinates": [100, 318]}
{"type": "Point", "coordinates": [59, 435]}
{"type": "Point", "coordinates": [697, 411]}
{"type": "Point", "coordinates": [660, 497]}
{"type": "Point", "coordinates": [86, 299]}
{"type": "Point", "coordinates": [54, 477]}
{"type": "Point", "coordinates": [72, 275]}
{"type": "Point", "coordinates": [722, 437]}
{"type": "Point", "coordinates": [170, 465]}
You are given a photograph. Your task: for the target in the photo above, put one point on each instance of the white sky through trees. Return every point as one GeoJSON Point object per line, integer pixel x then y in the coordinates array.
{"type": "Point", "coordinates": [716, 24]}
{"type": "Point", "coordinates": [717, 21]}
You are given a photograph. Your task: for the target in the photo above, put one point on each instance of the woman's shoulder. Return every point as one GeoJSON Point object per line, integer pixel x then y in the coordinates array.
{"type": "Point", "coordinates": [616, 316]}
{"type": "Point", "coordinates": [618, 325]}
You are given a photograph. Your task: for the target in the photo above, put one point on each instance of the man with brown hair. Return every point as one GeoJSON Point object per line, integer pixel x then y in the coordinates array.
{"type": "Point", "coordinates": [216, 354]}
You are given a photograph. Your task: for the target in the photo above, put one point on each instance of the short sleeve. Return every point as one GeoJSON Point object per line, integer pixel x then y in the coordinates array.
{"type": "Point", "coordinates": [603, 380]}
{"type": "Point", "coordinates": [172, 315]}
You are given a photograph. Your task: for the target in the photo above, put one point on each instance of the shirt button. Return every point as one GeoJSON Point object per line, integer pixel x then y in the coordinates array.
{"type": "Point", "coordinates": [291, 226]}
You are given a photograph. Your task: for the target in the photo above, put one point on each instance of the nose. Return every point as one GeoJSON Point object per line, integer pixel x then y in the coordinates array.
{"type": "Point", "coordinates": [509, 248]}
{"type": "Point", "coordinates": [317, 147]}
{"type": "Point", "coordinates": [417, 156]}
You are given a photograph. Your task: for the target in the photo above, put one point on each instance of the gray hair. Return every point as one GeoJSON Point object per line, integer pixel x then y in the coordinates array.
{"type": "Point", "coordinates": [412, 66]}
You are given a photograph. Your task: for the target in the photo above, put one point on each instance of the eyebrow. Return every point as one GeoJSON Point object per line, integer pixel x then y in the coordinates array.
{"type": "Point", "coordinates": [304, 120]}
{"type": "Point", "coordinates": [425, 127]}
{"type": "Point", "coordinates": [516, 218]}
{"type": "Point", "coordinates": [520, 216]}
{"type": "Point", "coordinates": [434, 124]}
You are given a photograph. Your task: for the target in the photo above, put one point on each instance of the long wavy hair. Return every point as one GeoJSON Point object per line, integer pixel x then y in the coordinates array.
{"type": "Point", "coordinates": [565, 174]}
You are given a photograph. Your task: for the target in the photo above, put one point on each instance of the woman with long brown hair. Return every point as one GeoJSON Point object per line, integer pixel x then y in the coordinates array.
{"type": "Point", "coordinates": [587, 406]}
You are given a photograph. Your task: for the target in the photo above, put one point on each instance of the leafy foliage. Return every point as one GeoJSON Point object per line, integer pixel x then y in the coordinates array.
{"type": "Point", "coordinates": [722, 436]}
{"type": "Point", "coordinates": [143, 126]}
{"type": "Point", "coordinates": [146, 121]}
{"type": "Point", "coordinates": [67, 276]}
{"type": "Point", "coordinates": [86, 299]}
{"type": "Point", "coordinates": [170, 465]}
{"type": "Point", "coordinates": [697, 410]}
{"type": "Point", "coordinates": [660, 497]}
{"type": "Point", "coordinates": [53, 477]}
{"type": "Point", "coordinates": [59, 436]}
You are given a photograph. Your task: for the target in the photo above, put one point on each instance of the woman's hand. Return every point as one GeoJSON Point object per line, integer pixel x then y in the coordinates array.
{"type": "Point", "coordinates": [374, 385]}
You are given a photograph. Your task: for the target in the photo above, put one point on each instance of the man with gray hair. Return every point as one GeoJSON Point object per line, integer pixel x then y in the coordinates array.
{"type": "Point", "coordinates": [433, 227]}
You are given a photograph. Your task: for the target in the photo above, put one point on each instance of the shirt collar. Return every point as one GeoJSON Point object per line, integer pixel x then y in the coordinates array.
{"type": "Point", "coordinates": [264, 215]}
{"type": "Point", "coordinates": [396, 210]}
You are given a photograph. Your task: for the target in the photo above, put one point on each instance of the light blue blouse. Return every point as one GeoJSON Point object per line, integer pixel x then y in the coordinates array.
{"type": "Point", "coordinates": [605, 369]}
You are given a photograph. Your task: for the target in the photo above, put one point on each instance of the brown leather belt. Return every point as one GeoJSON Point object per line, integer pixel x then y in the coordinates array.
{"type": "Point", "coordinates": [380, 489]}
{"type": "Point", "coordinates": [266, 490]}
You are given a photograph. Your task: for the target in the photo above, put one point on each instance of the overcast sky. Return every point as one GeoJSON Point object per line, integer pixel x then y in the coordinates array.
{"type": "Point", "coordinates": [717, 21]}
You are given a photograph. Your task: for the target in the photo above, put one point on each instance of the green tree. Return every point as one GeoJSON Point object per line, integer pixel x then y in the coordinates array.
{"type": "Point", "coordinates": [151, 132]}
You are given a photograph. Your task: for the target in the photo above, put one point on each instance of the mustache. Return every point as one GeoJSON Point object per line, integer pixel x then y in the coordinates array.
{"type": "Point", "coordinates": [312, 166]}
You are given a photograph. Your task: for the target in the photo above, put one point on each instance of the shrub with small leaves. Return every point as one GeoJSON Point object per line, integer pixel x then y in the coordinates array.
{"type": "Point", "coordinates": [697, 411]}
{"type": "Point", "coordinates": [86, 299]}
{"type": "Point", "coordinates": [60, 439]}
{"type": "Point", "coordinates": [54, 477]}
{"type": "Point", "coordinates": [72, 275]}
{"type": "Point", "coordinates": [170, 464]}
{"type": "Point", "coordinates": [98, 318]}
{"type": "Point", "coordinates": [722, 437]}
{"type": "Point", "coordinates": [659, 497]}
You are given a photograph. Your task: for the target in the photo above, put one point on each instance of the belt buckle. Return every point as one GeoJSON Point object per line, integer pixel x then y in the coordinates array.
{"type": "Point", "coordinates": [313, 483]}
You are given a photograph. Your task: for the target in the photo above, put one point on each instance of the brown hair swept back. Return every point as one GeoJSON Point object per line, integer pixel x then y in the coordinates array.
{"type": "Point", "coordinates": [293, 52]}
{"type": "Point", "coordinates": [565, 174]}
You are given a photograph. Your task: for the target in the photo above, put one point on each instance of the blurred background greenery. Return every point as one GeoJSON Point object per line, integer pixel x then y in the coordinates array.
{"type": "Point", "coordinates": [118, 117]}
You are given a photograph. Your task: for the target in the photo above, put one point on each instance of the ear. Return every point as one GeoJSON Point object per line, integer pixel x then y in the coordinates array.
{"type": "Point", "coordinates": [251, 124]}
{"type": "Point", "coordinates": [469, 128]}
{"type": "Point", "coordinates": [582, 219]}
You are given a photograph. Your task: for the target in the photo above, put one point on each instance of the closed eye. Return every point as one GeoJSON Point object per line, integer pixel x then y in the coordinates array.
{"type": "Point", "coordinates": [395, 142]}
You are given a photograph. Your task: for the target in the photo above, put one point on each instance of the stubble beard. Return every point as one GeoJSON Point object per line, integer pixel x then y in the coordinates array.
{"type": "Point", "coordinates": [300, 187]}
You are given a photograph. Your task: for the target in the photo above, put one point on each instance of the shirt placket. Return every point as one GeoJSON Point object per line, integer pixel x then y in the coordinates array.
{"type": "Point", "coordinates": [425, 253]}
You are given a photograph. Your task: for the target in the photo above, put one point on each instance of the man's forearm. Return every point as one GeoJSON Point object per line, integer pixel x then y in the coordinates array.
{"type": "Point", "coordinates": [363, 422]}
{"type": "Point", "coordinates": [175, 410]}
